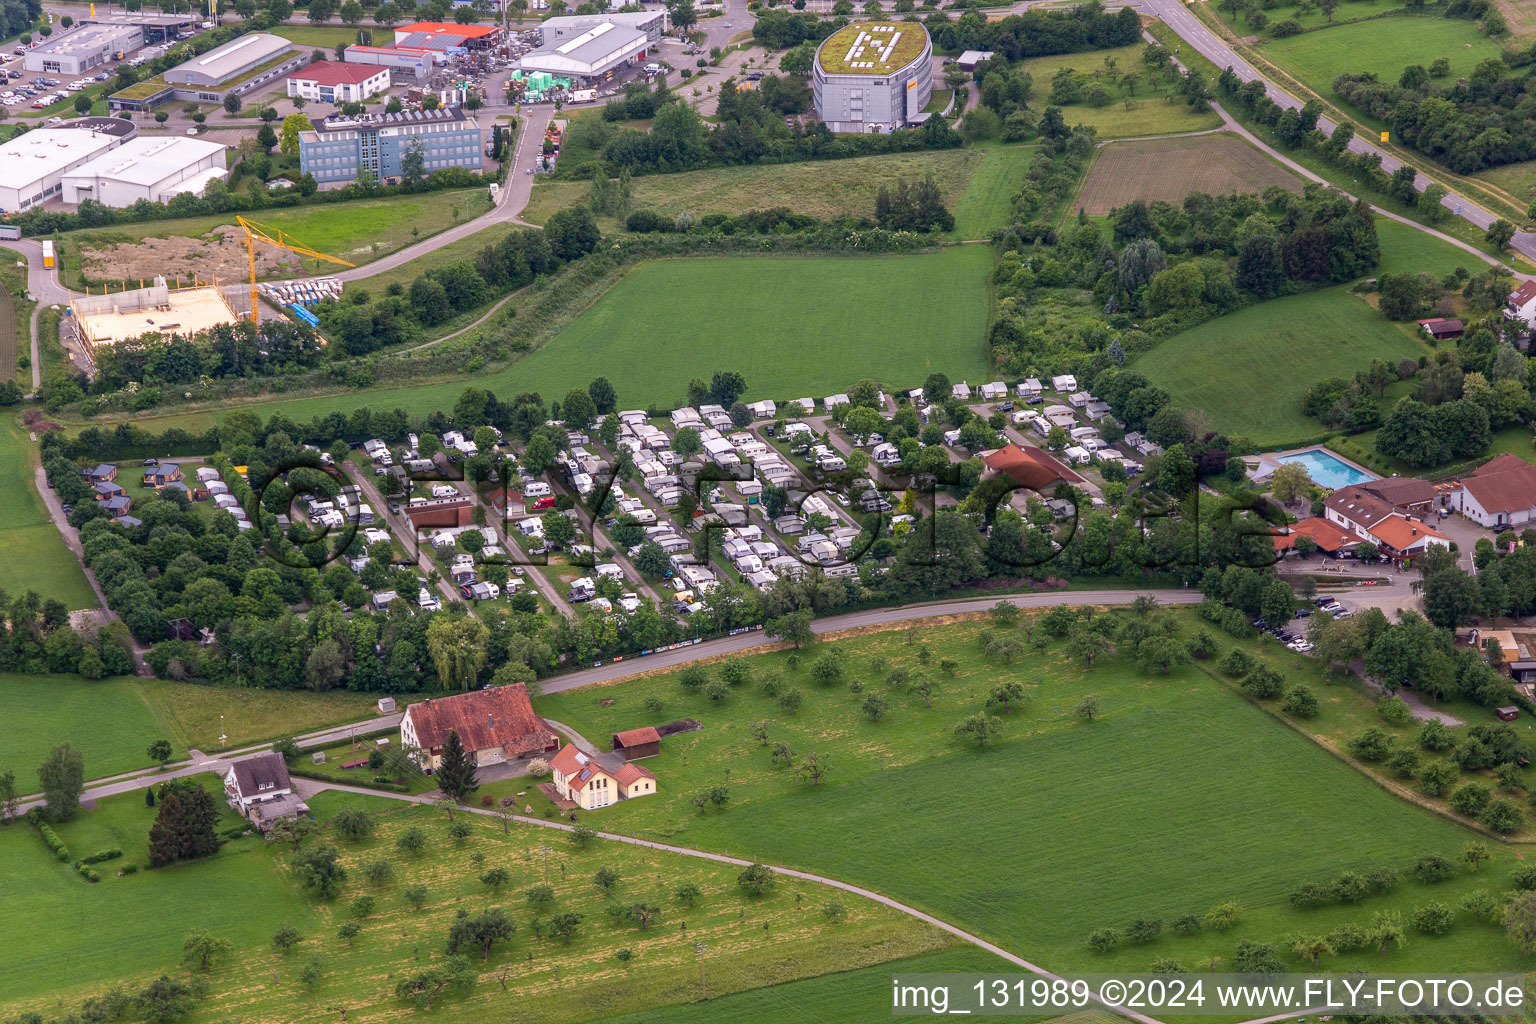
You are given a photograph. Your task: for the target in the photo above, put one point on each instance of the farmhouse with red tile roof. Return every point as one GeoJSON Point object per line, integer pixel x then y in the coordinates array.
{"type": "Point", "coordinates": [495, 725]}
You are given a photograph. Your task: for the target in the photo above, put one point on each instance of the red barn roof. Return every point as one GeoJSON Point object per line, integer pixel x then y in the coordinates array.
{"type": "Point", "coordinates": [498, 717]}
{"type": "Point", "coordinates": [328, 72]}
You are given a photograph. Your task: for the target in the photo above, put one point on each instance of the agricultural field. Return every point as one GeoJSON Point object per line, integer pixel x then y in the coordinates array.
{"type": "Point", "coordinates": [860, 996]}
{"type": "Point", "coordinates": [928, 313]}
{"type": "Point", "coordinates": [931, 314]}
{"type": "Point", "coordinates": [1519, 180]}
{"type": "Point", "coordinates": [193, 715]}
{"type": "Point", "coordinates": [824, 189]}
{"type": "Point", "coordinates": [1149, 112]}
{"type": "Point", "coordinates": [32, 554]}
{"type": "Point", "coordinates": [1170, 169]}
{"type": "Point", "coordinates": [359, 231]}
{"type": "Point", "coordinates": [1241, 368]}
{"type": "Point", "coordinates": [1063, 832]}
{"type": "Point", "coordinates": [1384, 46]}
{"type": "Point", "coordinates": [783, 936]}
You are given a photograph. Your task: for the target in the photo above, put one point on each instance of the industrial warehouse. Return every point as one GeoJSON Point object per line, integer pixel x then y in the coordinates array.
{"type": "Point", "coordinates": [591, 49]}
{"type": "Point", "coordinates": [238, 66]}
{"type": "Point", "coordinates": [417, 47]}
{"type": "Point", "coordinates": [33, 164]}
{"type": "Point", "coordinates": [873, 76]}
{"type": "Point", "coordinates": [151, 169]}
{"type": "Point", "coordinates": [98, 40]}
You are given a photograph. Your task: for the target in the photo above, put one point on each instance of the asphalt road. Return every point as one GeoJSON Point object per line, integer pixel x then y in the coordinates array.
{"type": "Point", "coordinates": [619, 669]}
{"type": "Point", "coordinates": [1205, 42]}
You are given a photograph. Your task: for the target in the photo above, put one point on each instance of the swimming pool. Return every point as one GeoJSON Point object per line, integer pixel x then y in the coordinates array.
{"type": "Point", "coordinates": [1327, 469]}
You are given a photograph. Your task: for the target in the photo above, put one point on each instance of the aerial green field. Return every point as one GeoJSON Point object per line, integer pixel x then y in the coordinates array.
{"type": "Point", "coordinates": [137, 923]}
{"type": "Point", "coordinates": [65, 937]}
{"type": "Point", "coordinates": [905, 315]}
{"type": "Point", "coordinates": [1314, 18]}
{"type": "Point", "coordinates": [108, 721]}
{"type": "Point", "coordinates": [1150, 112]}
{"type": "Point", "coordinates": [32, 554]}
{"type": "Point", "coordinates": [194, 714]}
{"type": "Point", "coordinates": [817, 325]}
{"type": "Point", "coordinates": [825, 189]}
{"type": "Point", "coordinates": [1406, 250]}
{"type": "Point", "coordinates": [1241, 368]}
{"type": "Point", "coordinates": [987, 203]}
{"type": "Point", "coordinates": [1384, 46]}
{"type": "Point", "coordinates": [1179, 796]}
{"type": "Point", "coordinates": [112, 721]}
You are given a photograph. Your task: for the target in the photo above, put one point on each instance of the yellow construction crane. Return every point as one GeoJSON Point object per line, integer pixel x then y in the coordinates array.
{"type": "Point", "coordinates": [254, 233]}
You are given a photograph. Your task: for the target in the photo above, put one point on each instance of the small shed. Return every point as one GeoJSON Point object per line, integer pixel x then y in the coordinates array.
{"type": "Point", "coordinates": [1506, 714]}
{"type": "Point", "coordinates": [386, 705]}
{"type": "Point", "coordinates": [634, 744]}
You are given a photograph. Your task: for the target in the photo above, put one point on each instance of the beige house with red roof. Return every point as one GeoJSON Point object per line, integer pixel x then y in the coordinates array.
{"type": "Point", "coordinates": [494, 725]}
{"type": "Point", "coordinates": [597, 780]}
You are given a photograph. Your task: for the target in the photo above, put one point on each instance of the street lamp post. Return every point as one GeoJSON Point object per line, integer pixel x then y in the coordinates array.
{"type": "Point", "coordinates": [222, 735]}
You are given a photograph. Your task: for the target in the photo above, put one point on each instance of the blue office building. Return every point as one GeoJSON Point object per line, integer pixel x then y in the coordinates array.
{"type": "Point", "coordinates": [339, 149]}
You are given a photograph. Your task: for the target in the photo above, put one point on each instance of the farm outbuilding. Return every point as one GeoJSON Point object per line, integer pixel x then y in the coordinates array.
{"type": "Point", "coordinates": [634, 744]}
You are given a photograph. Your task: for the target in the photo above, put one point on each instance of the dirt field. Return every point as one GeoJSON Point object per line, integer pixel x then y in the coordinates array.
{"type": "Point", "coordinates": [220, 255]}
{"type": "Point", "coordinates": [1170, 169]}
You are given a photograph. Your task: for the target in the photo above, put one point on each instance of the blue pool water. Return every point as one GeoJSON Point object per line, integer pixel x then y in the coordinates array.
{"type": "Point", "coordinates": [1326, 469]}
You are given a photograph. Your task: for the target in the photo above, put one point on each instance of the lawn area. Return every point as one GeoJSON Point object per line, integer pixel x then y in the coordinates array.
{"type": "Point", "coordinates": [824, 189]}
{"type": "Point", "coordinates": [1384, 46]}
{"type": "Point", "coordinates": [1149, 112]}
{"type": "Point", "coordinates": [1406, 250]}
{"type": "Point", "coordinates": [108, 721]}
{"type": "Point", "coordinates": [781, 937]}
{"type": "Point", "coordinates": [358, 231]}
{"type": "Point", "coordinates": [32, 554]}
{"type": "Point", "coordinates": [112, 721]}
{"type": "Point", "coordinates": [900, 317]}
{"type": "Point", "coordinates": [65, 937]}
{"type": "Point", "coordinates": [1242, 369]}
{"type": "Point", "coordinates": [987, 203]}
{"type": "Point", "coordinates": [930, 313]}
{"type": "Point", "coordinates": [1179, 796]}
{"type": "Point", "coordinates": [327, 36]}
{"type": "Point", "coordinates": [1170, 169]}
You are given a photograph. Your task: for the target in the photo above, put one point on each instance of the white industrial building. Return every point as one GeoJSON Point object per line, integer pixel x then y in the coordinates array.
{"type": "Point", "coordinates": [33, 165]}
{"type": "Point", "coordinates": [85, 49]}
{"type": "Point", "coordinates": [592, 49]}
{"type": "Point", "coordinates": [873, 76]}
{"type": "Point", "coordinates": [155, 169]}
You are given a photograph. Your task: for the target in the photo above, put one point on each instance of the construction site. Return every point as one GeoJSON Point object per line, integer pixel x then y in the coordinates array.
{"type": "Point", "coordinates": [113, 317]}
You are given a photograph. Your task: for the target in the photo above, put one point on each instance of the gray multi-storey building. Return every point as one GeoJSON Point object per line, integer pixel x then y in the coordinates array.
{"type": "Point", "coordinates": [873, 76]}
{"type": "Point", "coordinates": [339, 149]}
